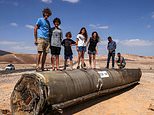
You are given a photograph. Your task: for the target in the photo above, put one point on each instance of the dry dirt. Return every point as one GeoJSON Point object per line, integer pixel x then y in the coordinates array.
{"type": "Point", "coordinates": [131, 101]}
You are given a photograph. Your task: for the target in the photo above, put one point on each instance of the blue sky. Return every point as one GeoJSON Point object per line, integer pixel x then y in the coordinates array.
{"type": "Point", "coordinates": [129, 22]}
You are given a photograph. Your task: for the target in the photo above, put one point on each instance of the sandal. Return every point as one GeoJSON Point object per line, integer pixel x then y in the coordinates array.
{"type": "Point", "coordinates": [37, 69]}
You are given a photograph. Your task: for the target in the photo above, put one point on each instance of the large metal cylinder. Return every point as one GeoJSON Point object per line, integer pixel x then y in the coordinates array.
{"type": "Point", "coordinates": [35, 92]}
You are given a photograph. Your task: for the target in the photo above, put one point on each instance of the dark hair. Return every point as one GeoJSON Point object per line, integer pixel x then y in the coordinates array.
{"type": "Point", "coordinates": [68, 33]}
{"type": "Point", "coordinates": [109, 37]}
{"type": "Point", "coordinates": [57, 20]}
{"type": "Point", "coordinates": [46, 10]}
{"type": "Point", "coordinates": [85, 34]}
{"type": "Point", "coordinates": [118, 53]}
{"type": "Point", "coordinates": [97, 36]}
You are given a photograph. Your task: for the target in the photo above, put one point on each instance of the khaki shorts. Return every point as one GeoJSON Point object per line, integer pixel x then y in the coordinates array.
{"type": "Point", "coordinates": [43, 45]}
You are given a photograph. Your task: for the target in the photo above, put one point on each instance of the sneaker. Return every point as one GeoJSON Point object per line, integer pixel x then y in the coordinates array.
{"type": "Point", "coordinates": [84, 65]}
{"type": "Point", "coordinates": [78, 67]}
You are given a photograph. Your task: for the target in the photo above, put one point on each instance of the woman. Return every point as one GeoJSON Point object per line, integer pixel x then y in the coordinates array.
{"type": "Point", "coordinates": [92, 49]}
{"type": "Point", "coordinates": [81, 46]}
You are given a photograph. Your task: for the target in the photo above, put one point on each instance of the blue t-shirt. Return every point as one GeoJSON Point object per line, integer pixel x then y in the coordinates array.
{"type": "Point", "coordinates": [43, 28]}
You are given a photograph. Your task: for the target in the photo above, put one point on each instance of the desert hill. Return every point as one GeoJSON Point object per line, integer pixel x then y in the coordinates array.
{"type": "Point", "coordinates": [4, 52]}
{"type": "Point", "coordinates": [15, 58]}
{"type": "Point", "coordinates": [18, 58]}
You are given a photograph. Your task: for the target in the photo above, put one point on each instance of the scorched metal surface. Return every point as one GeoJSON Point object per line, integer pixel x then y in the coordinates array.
{"type": "Point", "coordinates": [36, 92]}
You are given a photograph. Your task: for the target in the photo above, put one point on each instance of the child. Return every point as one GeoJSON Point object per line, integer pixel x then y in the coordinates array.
{"type": "Point", "coordinates": [67, 43]}
{"type": "Point", "coordinates": [56, 38]}
{"type": "Point", "coordinates": [92, 49]}
{"type": "Point", "coordinates": [81, 46]}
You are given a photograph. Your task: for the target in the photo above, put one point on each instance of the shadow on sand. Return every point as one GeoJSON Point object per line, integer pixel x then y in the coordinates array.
{"type": "Point", "coordinates": [76, 108]}
{"type": "Point", "coordinates": [81, 106]}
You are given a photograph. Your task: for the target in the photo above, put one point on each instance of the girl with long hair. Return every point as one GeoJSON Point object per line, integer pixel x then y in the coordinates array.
{"type": "Point", "coordinates": [81, 46]}
{"type": "Point", "coordinates": [92, 49]}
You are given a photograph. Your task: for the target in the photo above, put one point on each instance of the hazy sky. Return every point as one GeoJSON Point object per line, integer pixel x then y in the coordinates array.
{"type": "Point", "coordinates": [129, 22]}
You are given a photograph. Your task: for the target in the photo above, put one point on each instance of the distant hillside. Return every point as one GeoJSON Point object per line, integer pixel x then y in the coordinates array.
{"type": "Point", "coordinates": [129, 57]}
{"type": "Point", "coordinates": [15, 58]}
{"type": "Point", "coordinates": [4, 52]}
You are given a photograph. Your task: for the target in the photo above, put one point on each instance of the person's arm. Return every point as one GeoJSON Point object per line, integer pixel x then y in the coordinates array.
{"type": "Point", "coordinates": [116, 60]}
{"type": "Point", "coordinates": [88, 42]}
{"type": "Point", "coordinates": [62, 43]}
{"type": "Point", "coordinates": [50, 35]}
{"type": "Point", "coordinates": [35, 34]}
{"type": "Point", "coordinates": [96, 49]}
{"type": "Point", "coordinates": [114, 45]}
{"type": "Point", "coordinates": [61, 36]}
{"type": "Point", "coordinates": [121, 60]}
{"type": "Point", "coordinates": [77, 44]}
{"type": "Point", "coordinates": [108, 46]}
{"type": "Point", "coordinates": [73, 42]}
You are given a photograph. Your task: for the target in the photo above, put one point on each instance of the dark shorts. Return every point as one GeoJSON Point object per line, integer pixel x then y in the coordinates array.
{"type": "Point", "coordinates": [55, 50]}
{"type": "Point", "coordinates": [68, 57]}
{"type": "Point", "coordinates": [82, 48]}
{"type": "Point", "coordinates": [91, 52]}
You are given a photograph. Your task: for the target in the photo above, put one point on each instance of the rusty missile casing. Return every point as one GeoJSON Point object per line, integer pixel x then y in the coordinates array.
{"type": "Point", "coordinates": [35, 92]}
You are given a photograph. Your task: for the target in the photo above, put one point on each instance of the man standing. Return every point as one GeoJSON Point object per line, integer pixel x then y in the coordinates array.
{"type": "Point", "coordinates": [41, 34]}
{"type": "Point", "coordinates": [111, 51]}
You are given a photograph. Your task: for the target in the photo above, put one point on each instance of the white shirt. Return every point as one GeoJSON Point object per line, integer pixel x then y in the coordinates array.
{"type": "Point", "coordinates": [81, 40]}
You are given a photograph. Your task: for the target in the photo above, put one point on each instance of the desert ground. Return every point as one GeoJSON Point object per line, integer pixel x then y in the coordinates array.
{"type": "Point", "coordinates": [135, 100]}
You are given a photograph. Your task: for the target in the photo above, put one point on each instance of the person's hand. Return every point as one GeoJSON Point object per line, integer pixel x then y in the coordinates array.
{"type": "Point", "coordinates": [96, 52]}
{"type": "Point", "coordinates": [110, 51]}
{"type": "Point", "coordinates": [77, 49]}
{"type": "Point", "coordinates": [35, 42]}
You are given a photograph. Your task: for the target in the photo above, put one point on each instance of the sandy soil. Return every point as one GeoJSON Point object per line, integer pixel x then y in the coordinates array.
{"type": "Point", "coordinates": [131, 101]}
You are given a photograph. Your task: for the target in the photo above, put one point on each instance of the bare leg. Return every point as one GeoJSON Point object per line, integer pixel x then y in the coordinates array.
{"type": "Point", "coordinates": [52, 62]}
{"type": "Point", "coordinates": [90, 60]}
{"type": "Point", "coordinates": [94, 61]}
{"type": "Point", "coordinates": [79, 56]}
{"type": "Point", "coordinates": [43, 60]}
{"type": "Point", "coordinates": [57, 62]}
{"type": "Point", "coordinates": [38, 59]}
{"type": "Point", "coordinates": [82, 58]}
{"type": "Point", "coordinates": [65, 62]}
{"type": "Point", "coordinates": [71, 64]}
